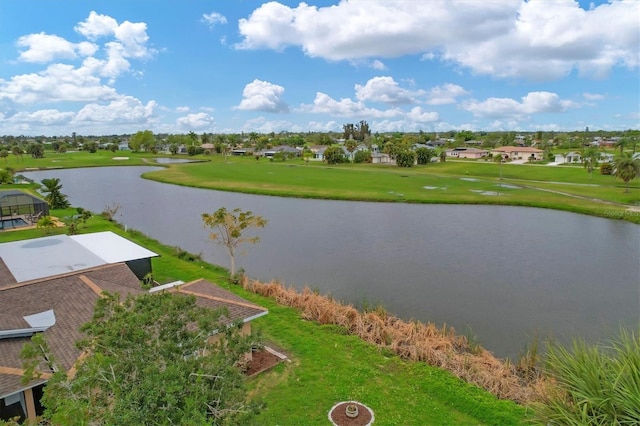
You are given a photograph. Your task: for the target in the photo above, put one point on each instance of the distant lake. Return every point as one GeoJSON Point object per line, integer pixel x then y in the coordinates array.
{"type": "Point", "coordinates": [503, 274]}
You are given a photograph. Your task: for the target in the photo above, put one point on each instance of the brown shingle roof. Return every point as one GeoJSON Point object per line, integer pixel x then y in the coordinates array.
{"type": "Point", "coordinates": [6, 277]}
{"type": "Point", "coordinates": [72, 298]}
{"type": "Point", "coordinates": [212, 296]}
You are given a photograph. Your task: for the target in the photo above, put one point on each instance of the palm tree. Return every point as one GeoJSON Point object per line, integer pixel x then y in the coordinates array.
{"type": "Point", "coordinates": [590, 158]}
{"type": "Point", "coordinates": [55, 198]}
{"type": "Point", "coordinates": [626, 168]}
{"type": "Point", "coordinates": [47, 223]}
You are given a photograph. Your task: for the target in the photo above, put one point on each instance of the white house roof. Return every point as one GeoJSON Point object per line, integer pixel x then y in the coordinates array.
{"type": "Point", "coordinates": [60, 254]}
{"type": "Point", "coordinates": [112, 248]}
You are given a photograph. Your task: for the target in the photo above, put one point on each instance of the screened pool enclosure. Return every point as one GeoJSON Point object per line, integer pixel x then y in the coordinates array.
{"type": "Point", "coordinates": [18, 209]}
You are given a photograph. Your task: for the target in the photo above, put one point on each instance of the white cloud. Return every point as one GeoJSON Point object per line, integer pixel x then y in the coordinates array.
{"type": "Point", "coordinates": [593, 96]}
{"type": "Point", "coordinates": [213, 19]}
{"type": "Point", "coordinates": [378, 65]}
{"type": "Point", "coordinates": [445, 94]}
{"type": "Point", "coordinates": [505, 38]}
{"type": "Point", "coordinates": [46, 48]}
{"type": "Point", "coordinates": [385, 89]}
{"type": "Point", "coordinates": [263, 96]}
{"type": "Point", "coordinates": [182, 109]}
{"type": "Point", "coordinates": [58, 82]}
{"type": "Point", "coordinates": [345, 107]}
{"type": "Point", "coordinates": [45, 117]}
{"type": "Point", "coordinates": [96, 26]}
{"type": "Point", "coordinates": [419, 116]}
{"type": "Point", "coordinates": [125, 109]}
{"type": "Point", "coordinates": [532, 103]}
{"type": "Point", "coordinates": [197, 121]}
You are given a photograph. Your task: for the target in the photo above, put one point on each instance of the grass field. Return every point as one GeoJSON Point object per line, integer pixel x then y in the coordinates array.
{"type": "Point", "coordinates": [568, 188]}
{"type": "Point", "coordinates": [327, 365]}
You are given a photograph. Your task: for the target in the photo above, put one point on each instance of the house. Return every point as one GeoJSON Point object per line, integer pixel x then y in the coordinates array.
{"type": "Point", "coordinates": [286, 149]}
{"type": "Point", "coordinates": [209, 148]}
{"type": "Point", "coordinates": [382, 158]}
{"type": "Point", "coordinates": [569, 157]}
{"type": "Point", "coordinates": [50, 285]}
{"type": "Point", "coordinates": [606, 157]}
{"type": "Point", "coordinates": [318, 152]}
{"type": "Point", "coordinates": [519, 152]}
{"type": "Point", "coordinates": [463, 152]}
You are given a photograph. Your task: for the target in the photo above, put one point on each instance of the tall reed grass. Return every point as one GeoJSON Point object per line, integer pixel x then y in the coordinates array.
{"type": "Point", "coordinates": [412, 340]}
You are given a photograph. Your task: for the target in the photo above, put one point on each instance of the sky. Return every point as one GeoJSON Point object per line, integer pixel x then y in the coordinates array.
{"type": "Point", "coordinates": [231, 66]}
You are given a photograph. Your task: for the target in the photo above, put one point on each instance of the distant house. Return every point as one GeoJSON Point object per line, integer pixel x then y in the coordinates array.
{"type": "Point", "coordinates": [606, 157]}
{"type": "Point", "coordinates": [568, 158]}
{"type": "Point", "coordinates": [462, 152]}
{"type": "Point", "coordinates": [286, 149]}
{"type": "Point", "coordinates": [50, 285]}
{"type": "Point", "coordinates": [209, 148]}
{"type": "Point", "coordinates": [318, 152]}
{"type": "Point", "coordinates": [519, 153]}
{"type": "Point", "coordinates": [382, 158]}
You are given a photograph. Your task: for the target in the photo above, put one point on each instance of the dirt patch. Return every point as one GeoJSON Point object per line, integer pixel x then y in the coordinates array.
{"type": "Point", "coordinates": [261, 360]}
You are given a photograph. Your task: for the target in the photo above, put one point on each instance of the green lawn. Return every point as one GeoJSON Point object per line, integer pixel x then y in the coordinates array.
{"type": "Point", "coordinates": [328, 366]}
{"type": "Point", "coordinates": [567, 188]}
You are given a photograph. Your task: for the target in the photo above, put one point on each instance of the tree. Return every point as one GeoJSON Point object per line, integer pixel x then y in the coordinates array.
{"type": "Point", "coordinates": [626, 168]}
{"type": "Point", "coordinates": [91, 147]}
{"type": "Point", "coordinates": [47, 223]}
{"type": "Point", "coordinates": [590, 157]}
{"type": "Point", "coordinates": [351, 146]}
{"type": "Point", "coordinates": [229, 228]}
{"type": "Point", "coordinates": [334, 155]}
{"type": "Point", "coordinates": [54, 197]}
{"type": "Point", "coordinates": [17, 151]}
{"type": "Point", "coordinates": [4, 154]}
{"type": "Point", "coordinates": [424, 155]}
{"type": "Point", "coordinates": [6, 176]}
{"type": "Point", "coordinates": [142, 140]}
{"type": "Point", "coordinates": [443, 156]}
{"type": "Point", "coordinates": [35, 150]}
{"type": "Point", "coordinates": [151, 361]}
{"type": "Point", "coordinates": [406, 158]}
{"type": "Point", "coordinates": [362, 156]}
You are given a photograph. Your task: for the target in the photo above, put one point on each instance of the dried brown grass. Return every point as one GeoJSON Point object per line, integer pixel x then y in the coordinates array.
{"type": "Point", "coordinates": [412, 340]}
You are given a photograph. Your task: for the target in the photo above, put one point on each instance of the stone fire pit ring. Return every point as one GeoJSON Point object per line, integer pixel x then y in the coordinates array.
{"type": "Point", "coordinates": [341, 414]}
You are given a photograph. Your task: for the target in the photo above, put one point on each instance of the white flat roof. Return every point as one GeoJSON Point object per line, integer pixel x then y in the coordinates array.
{"type": "Point", "coordinates": [43, 257]}
{"type": "Point", "coordinates": [112, 248]}
{"type": "Point", "coordinates": [49, 256]}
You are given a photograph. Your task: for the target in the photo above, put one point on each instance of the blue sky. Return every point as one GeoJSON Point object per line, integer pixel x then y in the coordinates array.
{"type": "Point", "coordinates": [120, 66]}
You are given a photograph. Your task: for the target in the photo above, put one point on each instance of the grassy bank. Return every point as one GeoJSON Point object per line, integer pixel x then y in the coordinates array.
{"type": "Point", "coordinates": [565, 188]}
{"type": "Point", "coordinates": [568, 188]}
{"type": "Point", "coordinates": [327, 365]}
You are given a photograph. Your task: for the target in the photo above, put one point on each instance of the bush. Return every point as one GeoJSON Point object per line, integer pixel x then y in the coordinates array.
{"type": "Point", "coordinates": [406, 158]}
{"type": "Point", "coordinates": [334, 155]}
{"type": "Point", "coordinates": [606, 169]}
{"type": "Point", "coordinates": [362, 157]}
{"type": "Point", "coordinates": [424, 155]}
{"type": "Point", "coordinates": [595, 385]}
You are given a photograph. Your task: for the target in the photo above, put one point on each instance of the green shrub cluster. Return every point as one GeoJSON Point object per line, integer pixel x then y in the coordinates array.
{"type": "Point", "coordinates": [593, 384]}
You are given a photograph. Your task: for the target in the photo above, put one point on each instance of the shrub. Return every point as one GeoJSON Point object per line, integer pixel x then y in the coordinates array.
{"type": "Point", "coordinates": [406, 158]}
{"type": "Point", "coordinates": [593, 384]}
{"type": "Point", "coordinates": [334, 155]}
{"type": "Point", "coordinates": [424, 155]}
{"type": "Point", "coordinates": [362, 157]}
{"type": "Point", "coordinates": [606, 169]}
